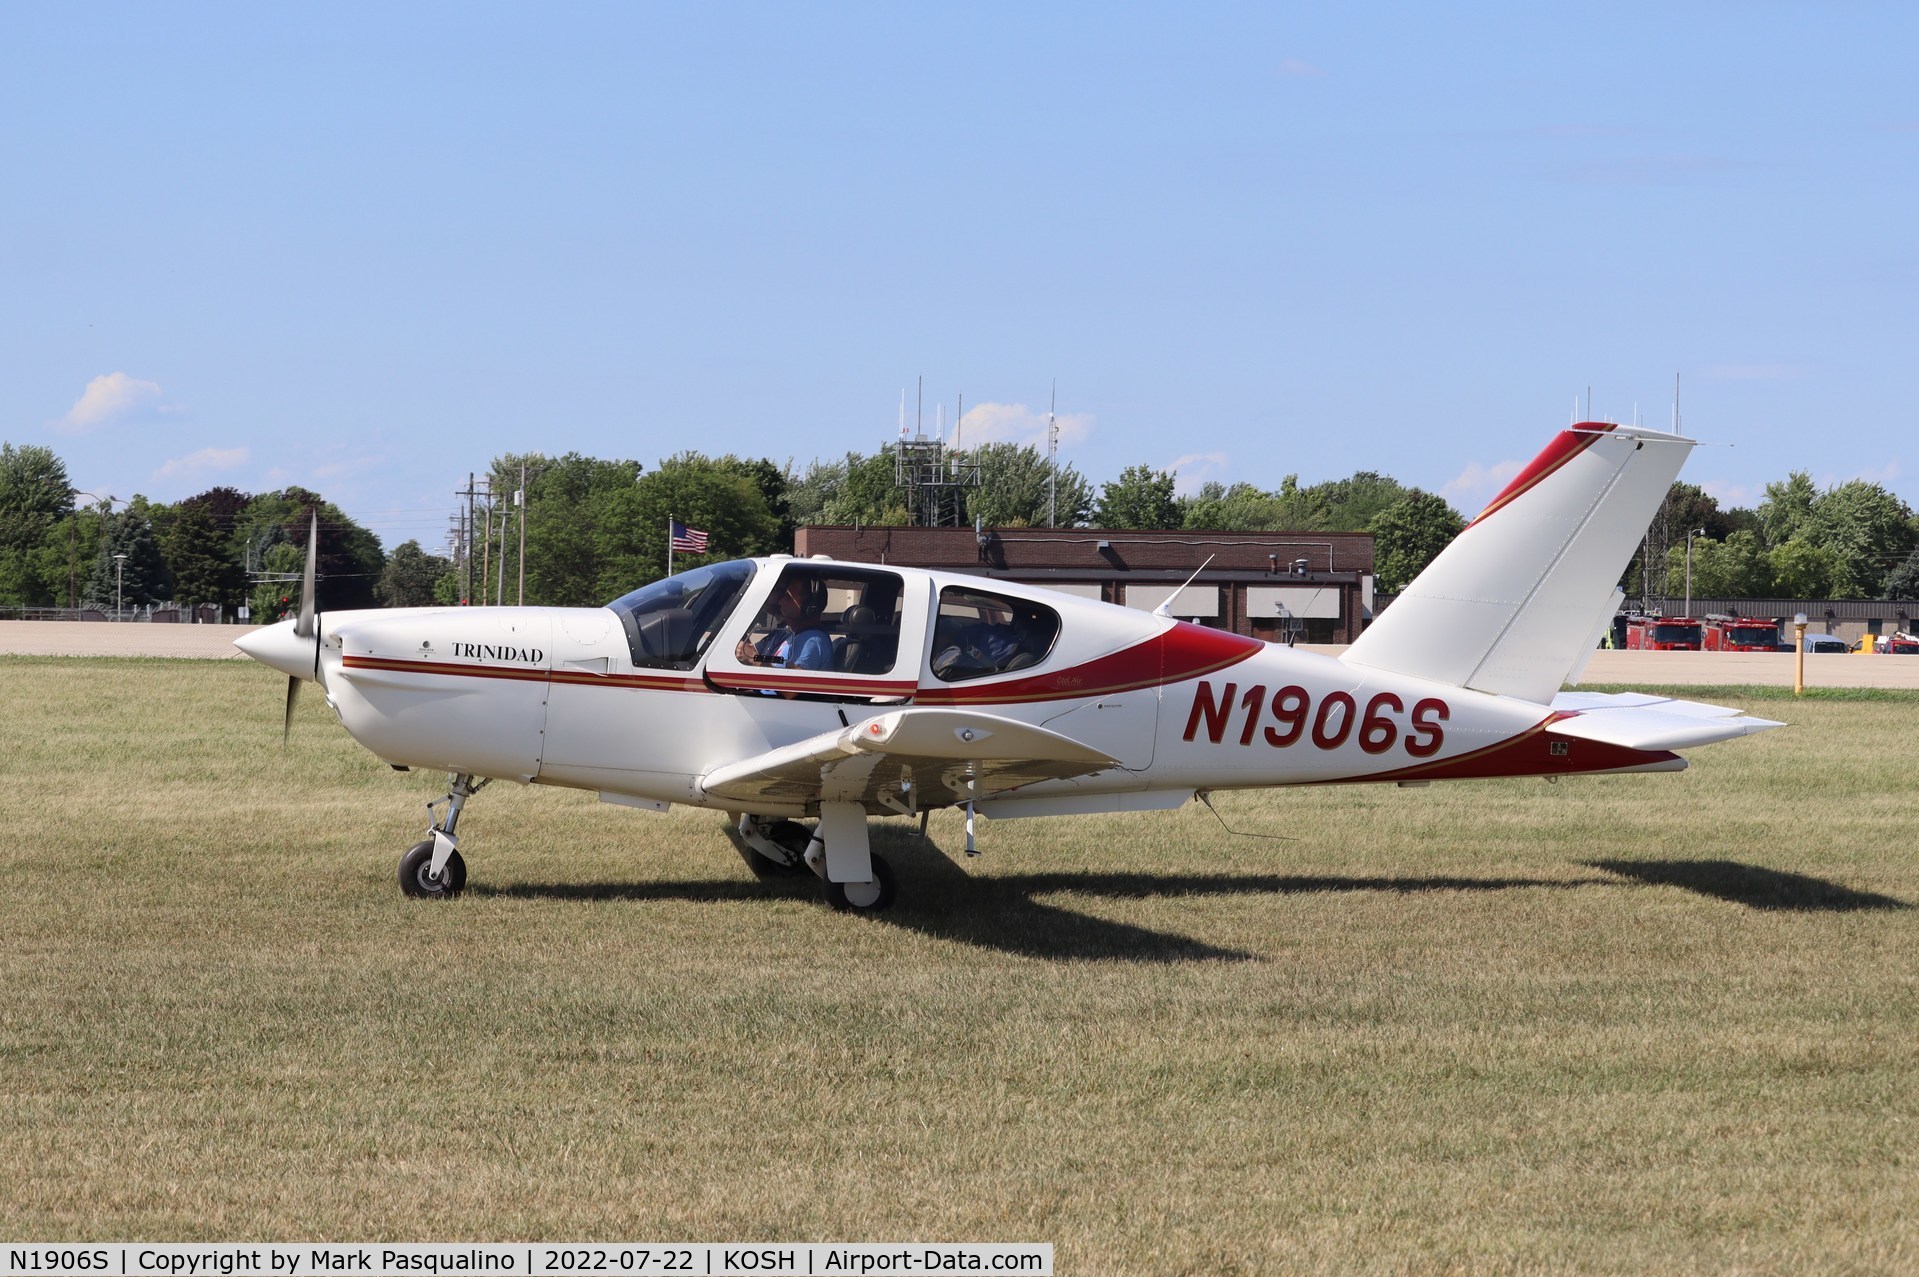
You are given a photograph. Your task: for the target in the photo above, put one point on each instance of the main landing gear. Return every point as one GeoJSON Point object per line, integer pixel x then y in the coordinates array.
{"type": "Point", "coordinates": [852, 878]}
{"type": "Point", "coordinates": [837, 850]}
{"type": "Point", "coordinates": [432, 869]}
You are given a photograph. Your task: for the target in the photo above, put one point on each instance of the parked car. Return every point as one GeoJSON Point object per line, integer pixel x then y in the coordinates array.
{"type": "Point", "coordinates": [1825, 643]}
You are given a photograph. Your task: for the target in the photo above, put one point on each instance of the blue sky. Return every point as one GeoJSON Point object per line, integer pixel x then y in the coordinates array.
{"type": "Point", "coordinates": [367, 248]}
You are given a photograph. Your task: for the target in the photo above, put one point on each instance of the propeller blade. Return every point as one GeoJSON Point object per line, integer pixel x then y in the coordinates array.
{"type": "Point", "coordinates": [304, 625]}
{"type": "Point", "coordinates": [293, 697]}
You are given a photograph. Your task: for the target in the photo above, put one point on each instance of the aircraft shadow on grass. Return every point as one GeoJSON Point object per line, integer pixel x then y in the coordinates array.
{"type": "Point", "coordinates": [1750, 885]}
{"type": "Point", "coordinates": [938, 898]}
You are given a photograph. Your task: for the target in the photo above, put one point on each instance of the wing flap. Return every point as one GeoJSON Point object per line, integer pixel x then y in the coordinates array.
{"type": "Point", "coordinates": [932, 757]}
{"type": "Point", "coordinates": [1638, 721]}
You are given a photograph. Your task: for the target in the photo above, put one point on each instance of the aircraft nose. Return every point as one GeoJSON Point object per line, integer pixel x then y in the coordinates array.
{"type": "Point", "coordinates": [280, 648]}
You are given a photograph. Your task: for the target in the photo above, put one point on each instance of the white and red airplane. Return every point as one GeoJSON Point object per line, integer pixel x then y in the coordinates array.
{"type": "Point", "coordinates": [780, 689]}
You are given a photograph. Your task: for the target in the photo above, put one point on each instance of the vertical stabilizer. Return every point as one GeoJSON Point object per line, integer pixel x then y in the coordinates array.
{"type": "Point", "coordinates": [1508, 607]}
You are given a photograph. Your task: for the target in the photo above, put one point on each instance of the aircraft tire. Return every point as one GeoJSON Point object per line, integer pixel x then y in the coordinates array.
{"type": "Point", "coordinates": [862, 897]}
{"type": "Point", "coordinates": [413, 874]}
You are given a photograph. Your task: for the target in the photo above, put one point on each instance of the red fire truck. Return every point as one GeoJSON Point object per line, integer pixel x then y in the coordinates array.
{"type": "Point", "coordinates": [1662, 634]}
{"type": "Point", "coordinates": [1741, 634]}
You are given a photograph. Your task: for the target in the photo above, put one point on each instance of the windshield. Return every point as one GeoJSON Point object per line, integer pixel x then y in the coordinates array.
{"type": "Point", "coordinates": [1675, 633]}
{"type": "Point", "coordinates": [669, 623]}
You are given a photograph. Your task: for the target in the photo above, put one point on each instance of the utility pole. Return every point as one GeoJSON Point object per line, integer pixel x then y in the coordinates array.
{"type": "Point", "coordinates": [519, 499]}
{"type": "Point", "coordinates": [486, 550]}
{"type": "Point", "coordinates": [466, 535]}
{"type": "Point", "coordinates": [1052, 459]}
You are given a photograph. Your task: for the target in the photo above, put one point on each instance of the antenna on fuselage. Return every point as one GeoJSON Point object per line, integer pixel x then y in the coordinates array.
{"type": "Point", "coordinates": [1166, 608]}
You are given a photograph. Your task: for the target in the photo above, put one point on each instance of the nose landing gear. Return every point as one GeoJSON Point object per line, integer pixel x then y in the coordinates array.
{"type": "Point", "coordinates": [432, 869]}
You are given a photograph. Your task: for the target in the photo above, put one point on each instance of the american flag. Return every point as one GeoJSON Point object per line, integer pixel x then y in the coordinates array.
{"type": "Point", "coordinates": [688, 540]}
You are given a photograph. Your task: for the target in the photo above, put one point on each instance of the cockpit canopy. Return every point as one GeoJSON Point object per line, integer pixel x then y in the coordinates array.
{"type": "Point", "coordinates": [838, 619]}
{"type": "Point", "coordinates": [670, 623]}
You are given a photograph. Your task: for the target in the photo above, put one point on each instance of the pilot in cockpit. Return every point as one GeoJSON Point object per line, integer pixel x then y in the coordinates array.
{"type": "Point", "coordinates": [797, 638]}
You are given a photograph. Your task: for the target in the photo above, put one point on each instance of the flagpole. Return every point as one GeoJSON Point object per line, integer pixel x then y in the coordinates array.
{"type": "Point", "coordinates": [669, 545]}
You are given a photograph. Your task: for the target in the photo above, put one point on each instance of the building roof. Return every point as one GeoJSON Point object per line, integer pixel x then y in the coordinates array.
{"type": "Point", "coordinates": [1091, 551]}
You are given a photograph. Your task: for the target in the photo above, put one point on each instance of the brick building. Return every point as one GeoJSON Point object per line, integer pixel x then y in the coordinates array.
{"type": "Point", "coordinates": [1315, 585]}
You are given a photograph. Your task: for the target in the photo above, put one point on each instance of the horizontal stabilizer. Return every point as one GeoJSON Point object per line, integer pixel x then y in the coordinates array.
{"type": "Point", "coordinates": [904, 760]}
{"type": "Point", "coordinates": [1638, 721]}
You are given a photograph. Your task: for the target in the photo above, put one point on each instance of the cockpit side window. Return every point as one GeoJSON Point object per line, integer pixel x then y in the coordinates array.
{"type": "Point", "coordinates": [842, 620]}
{"type": "Point", "coordinates": [670, 623]}
{"type": "Point", "coordinates": [979, 634]}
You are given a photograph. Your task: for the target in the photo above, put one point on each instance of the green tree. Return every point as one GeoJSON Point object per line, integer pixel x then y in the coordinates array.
{"type": "Point", "coordinates": [1350, 505]}
{"type": "Point", "coordinates": [1787, 509]}
{"type": "Point", "coordinates": [204, 548]}
{"type": "Point", "coordinates": [1870, 530]}
{"type": "Point", "coordinates": [276, 594]}
{"type": "Point", "coordinates": [1408, 535]}
{"type": "Point", "coordinates": [579, 523]}
{"type": "Point", "coordinates": [1804, 570]}
{"type": "Point", "coordinates": [142, 576]}
{"type": "Point", "coordinates": [1736, 568]}
{"type": "Point", "coordinates": [1903, 581]}
{"type": "Point", "coordinates": [810, 491]}
{"type": "Point", "coordinates": [411, 577]}
{"type": "Point", "coordinates": [716, 497]}
{"type": "Point", "coordinates": [1013, 489]}
{"type": "Point", "coordinates": [770, 481]}
{"type": "Point", "coordinates": [196, 550]}
{"type": "Point", "coordinates": [867, 493]}
{"type": "Point", "coordinates": [1141, 497]}
{"type": "Point", "coordinates": [34, 495]}
{"type": "Point", "coordinates": [350, 559]}
{"type": "Point", "coordinates": [1240, 508]}
{"type": "Point", "coordinates": [1684, 509]}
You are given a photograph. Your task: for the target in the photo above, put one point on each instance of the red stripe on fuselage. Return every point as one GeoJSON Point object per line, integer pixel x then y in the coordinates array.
{"type": "Point", "coordinates": [1185, 651]}
{"type": "Point", "coordinates": [1565, 445]}
{"type": "Point", "coordinates": [632, 682]}
{"type": "Point", "coordinates": [1527, 754]}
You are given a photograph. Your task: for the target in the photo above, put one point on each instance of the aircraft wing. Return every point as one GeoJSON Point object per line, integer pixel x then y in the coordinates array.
{"type": "Point", "coordinates": [905, 760]}
{"type": "Point", "coordinates": [1639, 721]}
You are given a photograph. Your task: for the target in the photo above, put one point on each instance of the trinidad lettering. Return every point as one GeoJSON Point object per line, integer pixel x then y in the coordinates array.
{"type": "Point", "coordinates": [488, 652]}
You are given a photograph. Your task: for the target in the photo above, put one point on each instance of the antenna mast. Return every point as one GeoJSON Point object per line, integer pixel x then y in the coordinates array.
{"type": "Point", "coordinates": [1052, 459]}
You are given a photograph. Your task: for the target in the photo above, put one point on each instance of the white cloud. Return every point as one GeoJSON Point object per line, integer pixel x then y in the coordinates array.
{"type": "Point", "coordinates": [204, 462]}
{"type": "Point", "coordinates": [114, 397]}
{"type": "Point", "coordinates": [1472, 487]}
{"type": "Point", "coordinates": [1016, 423]}
{"type": "Point", "coordinates": [1193, 470]}
{"type": "Point", "coordinates": [1732, 496]}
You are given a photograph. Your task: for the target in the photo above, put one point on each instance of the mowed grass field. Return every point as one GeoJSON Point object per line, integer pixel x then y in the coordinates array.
{"type": "Point", "coordinates": [1629, 1024]}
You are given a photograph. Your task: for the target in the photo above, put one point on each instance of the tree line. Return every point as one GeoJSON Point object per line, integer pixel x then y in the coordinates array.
{"type": "Point", "coordinates": [62, 547]}
{"type": "Point", "coordinates": [596, 528]}
{"type": "Point", "coordinates": [1854, 540]}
